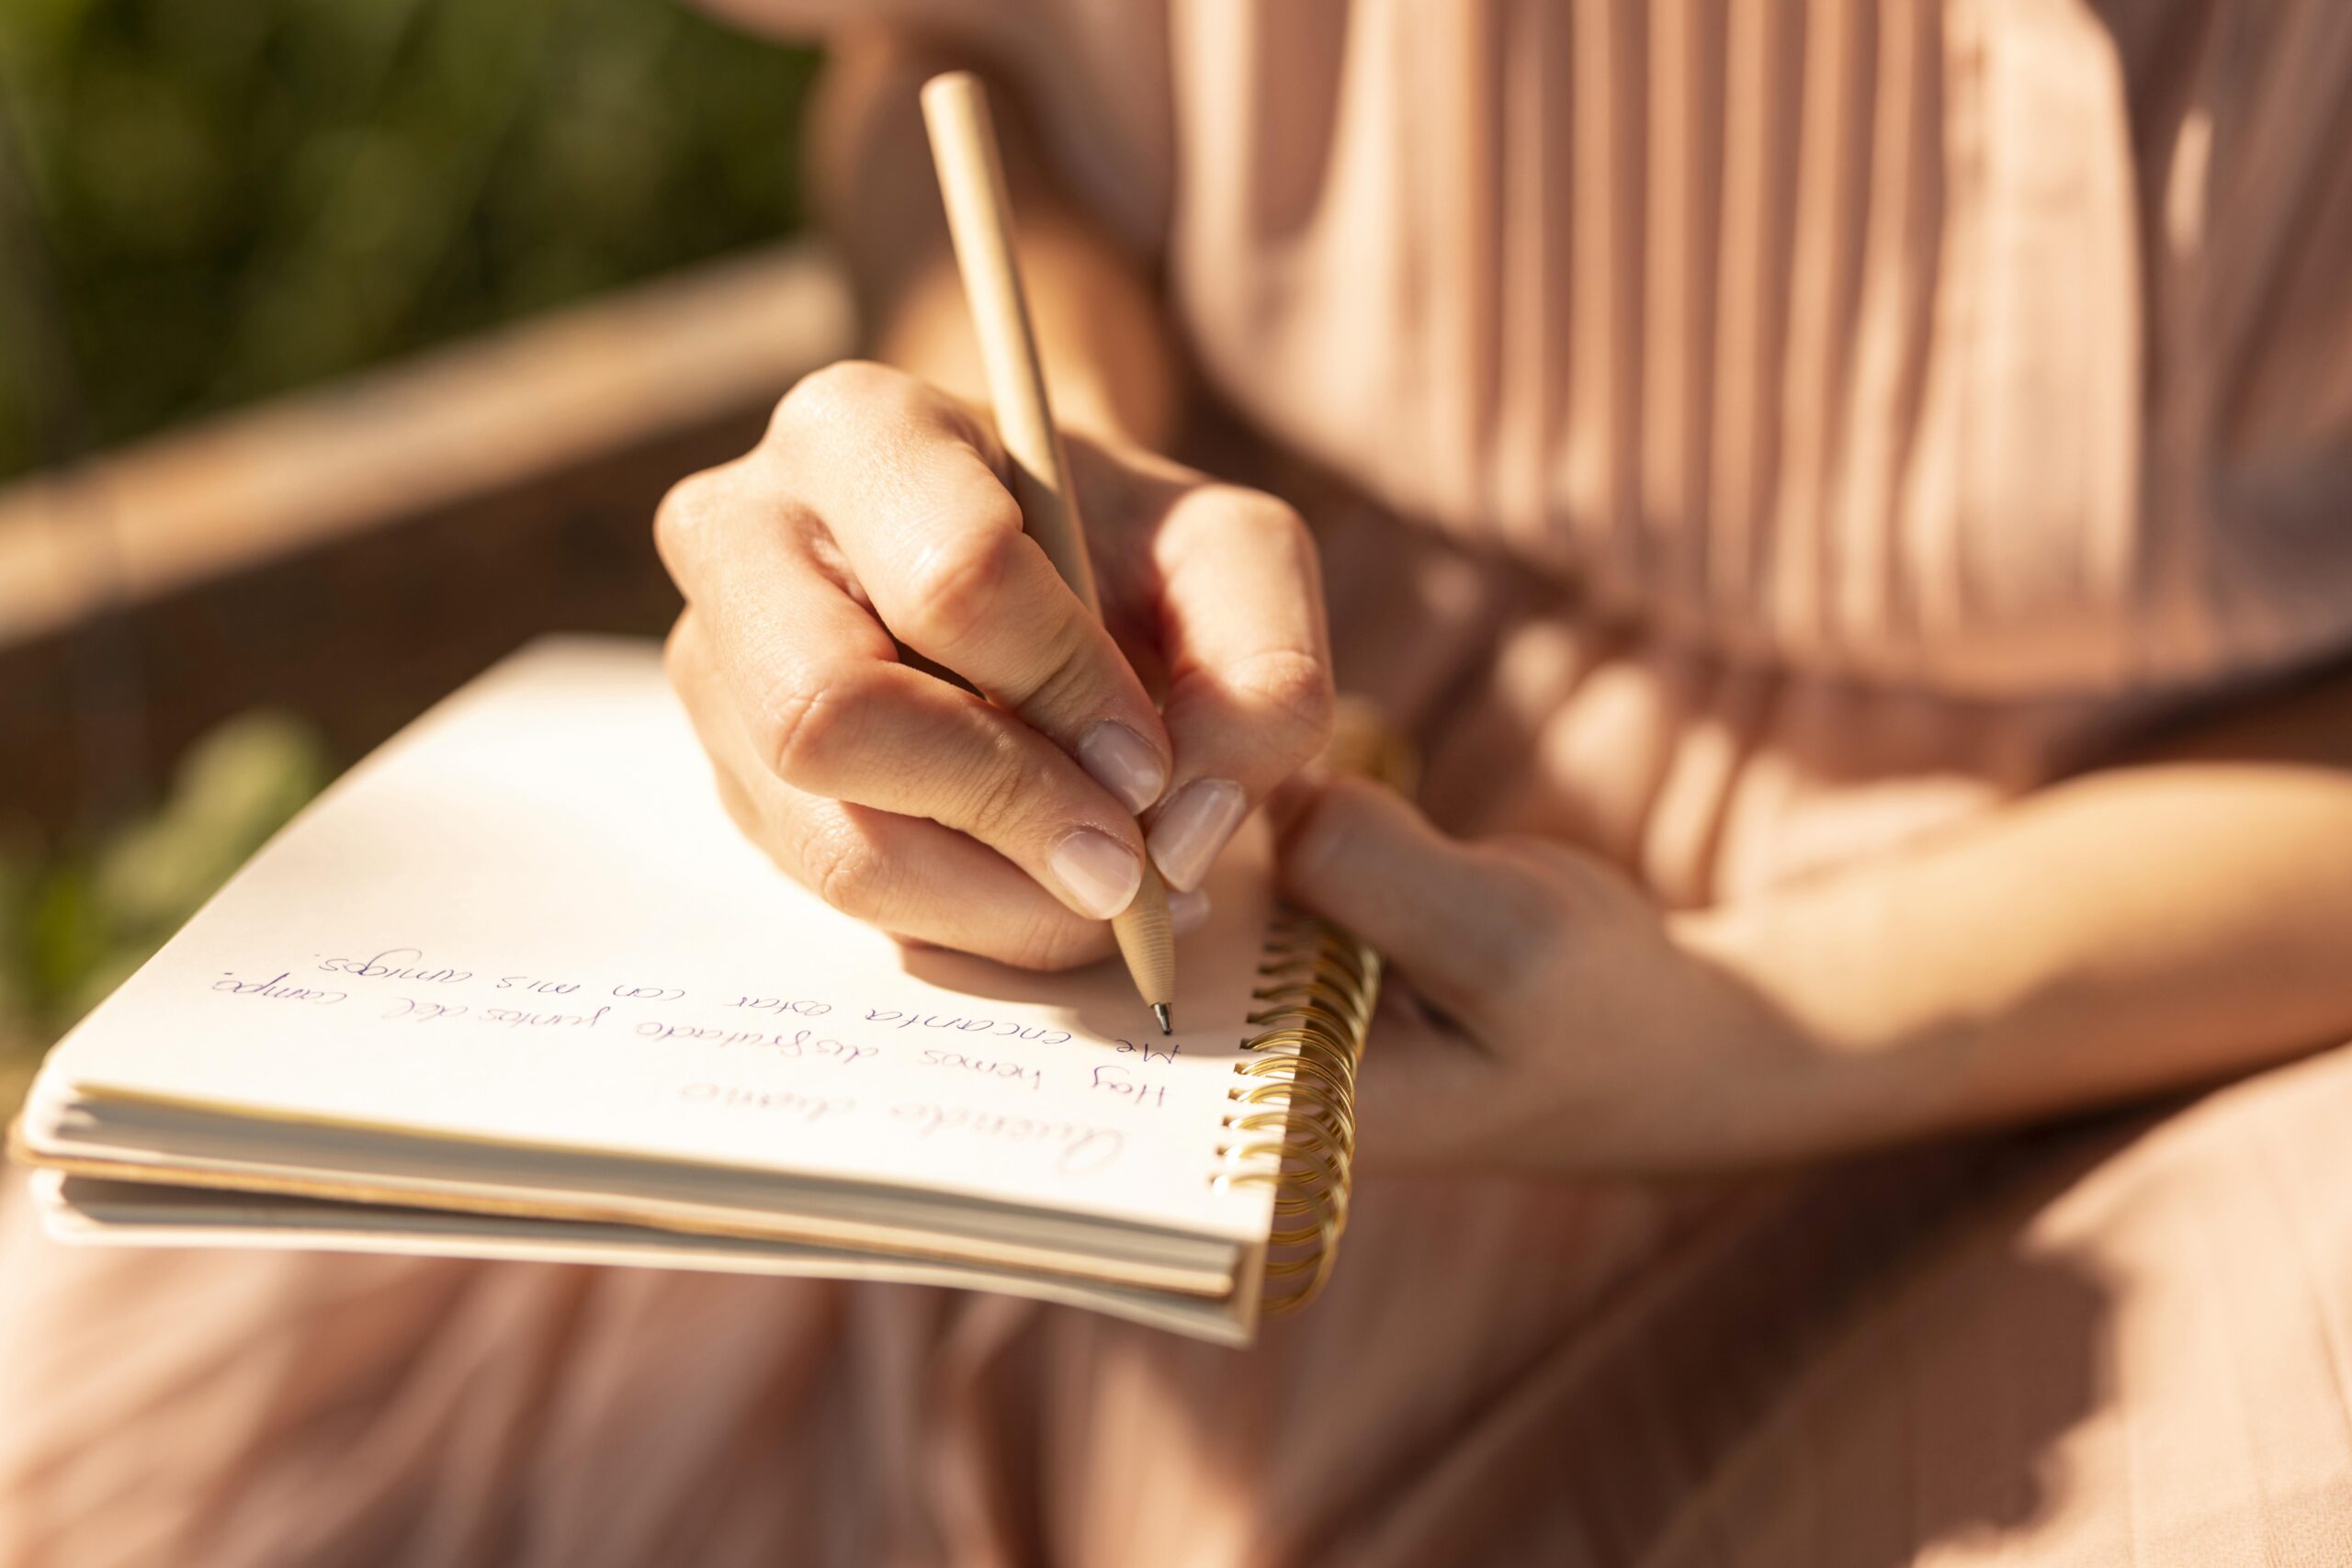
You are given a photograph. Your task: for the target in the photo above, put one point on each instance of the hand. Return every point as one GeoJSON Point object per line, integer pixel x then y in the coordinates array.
{"type": "Point", "coordinates": [1540, 1012]}
{"type": "Point", "coordinates": [867, 550]}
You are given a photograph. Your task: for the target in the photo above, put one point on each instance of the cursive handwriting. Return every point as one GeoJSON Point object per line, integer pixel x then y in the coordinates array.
{"type": "Point", "coordinates": [1013, 1071]}
{"type": "Point", "coordinates": [517, 1018]}
{"type": "Point", "coordinates": [276, 989]}
{"type": "Point", "coordinates": [966, 1025]}
{"type": "Point", "coordinates": [799, 1044]}
{"type": "Point", "coordinates": [808, 1108]}
{"type": "Point", "coordinates": [537, 987]}
{"type": "Point", "coordinates": [1078, 1149]}
{"type": "Point", "coordinates": [782, 1004]}
{"type": "Point", "coordinates": [1113, 1079]}
{"type": "Point", "coordinates": [425, 1012]}
{"type": "Point", "coordinates": [396, 964]}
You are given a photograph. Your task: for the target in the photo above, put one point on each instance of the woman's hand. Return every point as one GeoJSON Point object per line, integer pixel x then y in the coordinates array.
{"type": "Point", "coordinates": [2171, 918]}
{"type": "Point", "coordinates": [1542, 1013]}
{"type": "Point", "coordinates": [867, 550]}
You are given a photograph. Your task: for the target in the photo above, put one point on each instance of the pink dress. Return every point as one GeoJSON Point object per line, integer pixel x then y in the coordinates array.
{"type": "Point", "coordinates": [1784, 430]}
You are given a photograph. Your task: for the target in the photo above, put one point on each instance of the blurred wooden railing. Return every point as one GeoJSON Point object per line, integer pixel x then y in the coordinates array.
{"type": "Point", "coordinates": [355, 552]}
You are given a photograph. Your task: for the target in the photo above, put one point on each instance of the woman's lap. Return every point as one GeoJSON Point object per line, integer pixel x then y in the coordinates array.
{"type": "Point", "coordinates": [2117, 1342]}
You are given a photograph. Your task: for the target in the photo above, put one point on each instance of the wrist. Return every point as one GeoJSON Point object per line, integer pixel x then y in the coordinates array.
{"type": "Point", "coordinates": [1840, 1066]}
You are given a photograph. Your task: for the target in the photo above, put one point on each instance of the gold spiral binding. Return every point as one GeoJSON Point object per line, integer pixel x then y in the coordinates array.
{"type": "Point", "coordinates": [1292, 1121]}
{"type": "Point", "coordinates": [1292, 1124]}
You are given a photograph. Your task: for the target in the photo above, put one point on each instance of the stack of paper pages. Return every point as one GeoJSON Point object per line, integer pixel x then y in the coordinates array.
{"type": "Point", "coordinates": [516, 988]}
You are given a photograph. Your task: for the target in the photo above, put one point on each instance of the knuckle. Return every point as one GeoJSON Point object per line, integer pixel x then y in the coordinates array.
{"type": "Point", "coordinates": [843, 868]}
{"type": "Point", "coordinates": [1273, 515]}
{"type": "Point", "coordinates": [807, 725]}
{"type": "Point", "coordinates": [685, 513]}
{"type": "Point", "coordinates": [1065, 677]}
{"type": "Point", "coordinates": [997, 796]}
{"type": "Point", "coordinates": [836, 394]}
{"type": "Point", "coordinates": [1268, 519]}
{"type": "Point", "coordinates": [954, 584]}
{"type": "Point", "coordinates": [1293, 688]}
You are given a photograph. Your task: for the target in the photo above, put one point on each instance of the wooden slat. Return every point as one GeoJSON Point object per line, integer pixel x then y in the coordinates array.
{"type": "Point", "coordinates": [354, 551]}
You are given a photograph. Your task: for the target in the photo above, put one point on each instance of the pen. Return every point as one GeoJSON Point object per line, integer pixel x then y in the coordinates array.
{"type": "Point", "coordinates": [979, 219]}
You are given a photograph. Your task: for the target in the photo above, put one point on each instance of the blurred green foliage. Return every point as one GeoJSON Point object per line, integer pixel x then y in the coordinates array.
{"type": "Point", "coordinates": [239, 196]}
{"type": "Point", "coordinates": [74, 925]}
{"type": "Point", "coordinates": [212, 200]}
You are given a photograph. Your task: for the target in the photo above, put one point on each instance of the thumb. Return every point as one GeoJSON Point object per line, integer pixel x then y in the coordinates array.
{"type": "Point", "coordinates": [1463, 920]}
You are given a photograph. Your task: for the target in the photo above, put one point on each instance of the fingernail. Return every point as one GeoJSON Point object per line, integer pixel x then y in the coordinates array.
{"type": "Point", "coordinates": [1098, 871]}
{"type": "Point", "coordinates": [1194, 827]}
{"type": "Point", "coordinates": [1188, 910]}
{"type": "Point", "coordinates": [1123, 763]}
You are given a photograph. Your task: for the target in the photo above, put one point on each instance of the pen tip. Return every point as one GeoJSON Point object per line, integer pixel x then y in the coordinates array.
{"type": "Point", "coordinates": [1159, 1011]}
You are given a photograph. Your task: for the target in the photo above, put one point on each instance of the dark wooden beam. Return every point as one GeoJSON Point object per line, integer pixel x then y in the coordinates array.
{"type": "Point", "coordinates": [353, 553]}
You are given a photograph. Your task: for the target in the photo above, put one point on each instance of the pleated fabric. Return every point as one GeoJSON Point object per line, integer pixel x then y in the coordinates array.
{"type": "Point", "coordinates": [1745, 434]}
{"type": "Point", "coordinates": [2117, 1346]}
{"type": "Point", "coordinates": [1937, 345]}
{"type": "Point", "coordinates": [1902, 397]}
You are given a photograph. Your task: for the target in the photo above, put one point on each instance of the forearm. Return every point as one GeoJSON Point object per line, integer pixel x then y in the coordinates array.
{"type": "Point", "coordinates": [2156, 924]}
{"type": "Point", "coordinates": [1110, 355]}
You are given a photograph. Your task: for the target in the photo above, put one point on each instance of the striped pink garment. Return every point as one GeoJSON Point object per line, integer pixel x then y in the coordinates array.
{"type": "Point", "coordinates": [1852, 411]}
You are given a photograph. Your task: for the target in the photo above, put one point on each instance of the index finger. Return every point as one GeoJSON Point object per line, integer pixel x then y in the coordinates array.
{"type": "Point", "coordinates": [1249, 695]}
{"type": "Point", "coordinates": [936, 539]}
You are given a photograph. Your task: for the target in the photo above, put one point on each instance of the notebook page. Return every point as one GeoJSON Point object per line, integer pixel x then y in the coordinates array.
{"type": "Point", "coordinates": [528, 919]}
{"type": "Point", "coordinates": [99, 1213]}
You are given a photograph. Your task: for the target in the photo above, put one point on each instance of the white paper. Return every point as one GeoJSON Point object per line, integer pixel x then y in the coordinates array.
{"type": "Point", "coordinates": [529, 920]}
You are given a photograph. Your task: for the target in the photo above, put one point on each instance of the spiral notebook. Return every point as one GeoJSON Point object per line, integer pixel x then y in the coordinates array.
{"type": "Point", "coordinates": [515, 988]}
